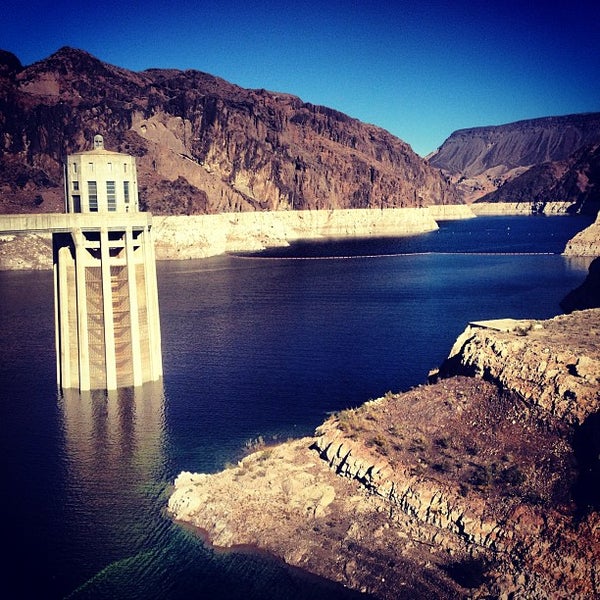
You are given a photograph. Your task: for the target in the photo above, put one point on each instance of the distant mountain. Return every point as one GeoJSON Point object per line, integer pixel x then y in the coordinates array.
{"type": "Point", "coordinates": [537, 160]}
{"type": "Point", "coordinates": [203, 145]}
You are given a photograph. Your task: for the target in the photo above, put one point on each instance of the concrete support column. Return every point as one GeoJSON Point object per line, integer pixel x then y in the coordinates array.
{"type": "Point", "coordinates": [107, 303]}
{"type": "Point", "coordinates": [87, 296]}
{"type": "Point", "coordinates": [154, 337]}
{"type": "Point", "coordinates": [133, 309]}
{"type": "Point", "coordinates": [56, 313]}
{"type": "Point", "coordinates": [61, 317]}
{"type": "Point", "coordinates": [82, 312]}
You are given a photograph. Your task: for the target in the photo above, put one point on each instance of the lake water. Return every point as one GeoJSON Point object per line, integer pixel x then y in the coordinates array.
{"type": "Point", "coordinates": [253, 346]}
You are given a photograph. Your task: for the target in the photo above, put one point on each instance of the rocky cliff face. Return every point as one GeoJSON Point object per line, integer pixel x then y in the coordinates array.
{"type": "Point", "coordinates": [586, 242]}
{"type": "Point", "coordinates": [575, 180]}
{"type": "Point", "coordinates": [482, 484]}
{"type": "Point", "coordinates": [554, 159]}
{"type": "Point", "coordinates": [203, 145]}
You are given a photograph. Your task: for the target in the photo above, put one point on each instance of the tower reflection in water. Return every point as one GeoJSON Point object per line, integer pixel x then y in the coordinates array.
{"type": "Point", "coordinates": [116, 480]}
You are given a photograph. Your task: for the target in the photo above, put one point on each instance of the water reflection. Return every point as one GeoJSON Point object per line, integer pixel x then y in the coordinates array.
{"type": "Point", "coordinates": [115, 460]}
{"type": "Point", "coordinates": [119, 540]}
{"type": "Point", "coordinates": [118, 433]}
{"type": "Point", "coordinates": [581, 263]}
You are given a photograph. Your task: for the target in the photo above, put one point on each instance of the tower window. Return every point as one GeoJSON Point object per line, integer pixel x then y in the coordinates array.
{"type": "Point", "coordinates": [76, 186]}
{"type": "Point", "coordinates": [93, 196]}
{"type": "Point", "coordinates": [111, 196]}
{"type": "Point", "coordinates": [126, 191]}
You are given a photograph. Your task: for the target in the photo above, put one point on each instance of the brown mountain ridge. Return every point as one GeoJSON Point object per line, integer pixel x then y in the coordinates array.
{"type": "Point", "coordinates": [203, 145]}
{"type": "Point", "coordinates": [550, 159]}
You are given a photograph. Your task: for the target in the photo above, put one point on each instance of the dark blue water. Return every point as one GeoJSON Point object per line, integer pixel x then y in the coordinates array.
{"type": "Point", "coordinates": [511, 234]}
{"type": "Point", "coordinates": [252, 346]}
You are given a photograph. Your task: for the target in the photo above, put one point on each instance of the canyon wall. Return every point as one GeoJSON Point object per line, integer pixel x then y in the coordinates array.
{"type": "Point", "coordinates": [535, 160]}
{"type": "Point", "coordinates": [202, 145]}
{"type": "Point", "coordinates": [201, 236]}
{"type": "Point", "coordinates": [521, 208]}
{"type": "Point", "coordinates": [206, 146]}
{"type": "Point", "coordinates": [586, 242]}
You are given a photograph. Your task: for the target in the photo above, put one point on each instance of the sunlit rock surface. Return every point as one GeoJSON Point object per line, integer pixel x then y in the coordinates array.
{"type": "Point", "coordinates": [202, 145]}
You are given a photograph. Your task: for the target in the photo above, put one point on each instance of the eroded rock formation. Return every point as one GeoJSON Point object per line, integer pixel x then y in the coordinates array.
{"type": "Point", "coordinates": [203, 145]}
{"type": "Point", "coordinates": [481, 484]}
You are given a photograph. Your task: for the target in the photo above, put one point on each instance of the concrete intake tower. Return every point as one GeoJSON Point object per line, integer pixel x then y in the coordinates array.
{"type": "Point", "coordinates": [106, 295]}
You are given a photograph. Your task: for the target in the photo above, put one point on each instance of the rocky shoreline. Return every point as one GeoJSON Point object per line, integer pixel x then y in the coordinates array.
{"type": "Point", "coordinates": [202, 236]}
{"type": "Point", "coordinates": [481, 483]}
{"type": "Point", "coordinates": [586, 242]}
{"type": "Point", "coordinates": [181, 237]}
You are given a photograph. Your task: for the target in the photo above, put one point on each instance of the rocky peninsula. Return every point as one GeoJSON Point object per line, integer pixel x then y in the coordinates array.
{"type": "Point", "coordinates": [482, 482]}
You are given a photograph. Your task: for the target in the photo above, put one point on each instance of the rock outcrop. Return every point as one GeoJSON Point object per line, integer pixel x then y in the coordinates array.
{"type": "Point", "coordinates": [203, 145]}
{"type": "Point", "coordinates": [586, 242]}
{"type": "Point", "coordinates": [552, 159]}
{"type": "Point", "coordinates": [574, 181]}
{"type": "Point", "coordinates": [521, 208]}
{"type": "Point", "coordinates": [519, 356]}
{"type": "Point", "coordinates": [27, 252]}
{"type": "Point", "coordinates": [483, 483]}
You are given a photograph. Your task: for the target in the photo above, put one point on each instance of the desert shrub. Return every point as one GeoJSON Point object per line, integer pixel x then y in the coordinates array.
{"type": "Point", "coordinates": [442, 442]}
{"type": "Point", "coordinates": [350, 421]}
{"type": "Point", "coordinates": [418, 444]}
{"type": "Point", "coordinates": [381, 443]}
{"type": "Point", "coordinates": [512, 476]}
{"type": "Point", "coordinates": [441, 467]}
{"type": "Point", "coordinates": [480, 476]}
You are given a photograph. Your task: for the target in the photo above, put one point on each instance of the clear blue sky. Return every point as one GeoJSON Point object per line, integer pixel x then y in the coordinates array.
{"type": "Point", "coordinates": [420, 69]}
